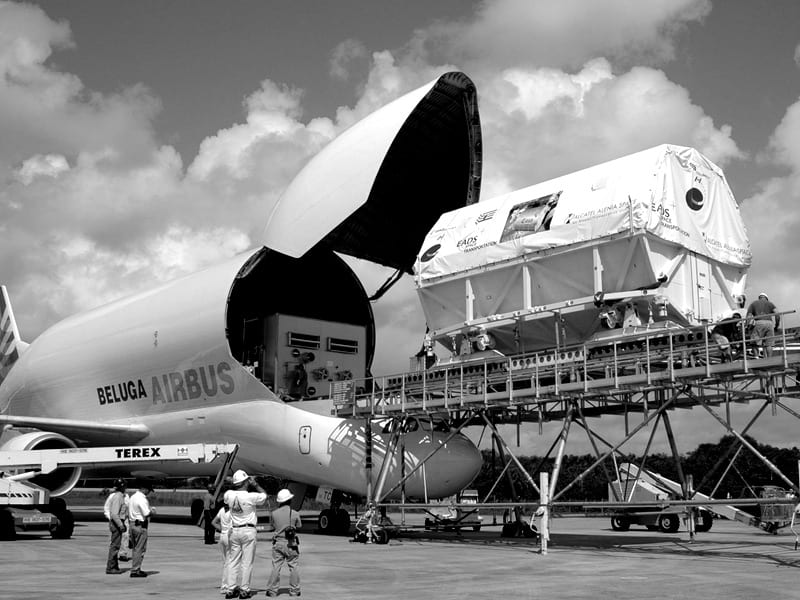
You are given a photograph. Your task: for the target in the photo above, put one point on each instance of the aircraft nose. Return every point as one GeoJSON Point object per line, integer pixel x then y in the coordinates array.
{"type": "Point", "coordinates": [456, 468]}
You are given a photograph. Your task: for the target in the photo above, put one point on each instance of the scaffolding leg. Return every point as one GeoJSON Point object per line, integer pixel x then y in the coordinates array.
{"type": "Point", "coordinates": [544, 521]}
{"type": "Point", "coordinates": [750, 447]}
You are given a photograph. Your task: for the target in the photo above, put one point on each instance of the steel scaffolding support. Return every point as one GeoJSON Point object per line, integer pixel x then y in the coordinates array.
{"type": "Point", "coordinates": [651, 375]}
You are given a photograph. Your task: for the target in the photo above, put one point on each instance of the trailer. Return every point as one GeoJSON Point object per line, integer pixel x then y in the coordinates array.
{"type": "Point", "coordinates": [460, 514]}
{"type": "Point", "coordinates": [26, 507]}
{"type": "Point", "coordinates": [774, 505]}
{"type": "Point", "coordinates": [639, 487]}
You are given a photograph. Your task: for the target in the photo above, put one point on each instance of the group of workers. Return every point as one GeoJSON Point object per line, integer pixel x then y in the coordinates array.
{"type": "Point", "coordinates": [131, 516]}
{"type": "Point", "coordinates": [236, 523]}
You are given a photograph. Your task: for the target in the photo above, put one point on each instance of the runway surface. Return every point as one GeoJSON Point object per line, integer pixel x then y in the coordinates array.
{"type": "Point", "coordinates": [586, 559]}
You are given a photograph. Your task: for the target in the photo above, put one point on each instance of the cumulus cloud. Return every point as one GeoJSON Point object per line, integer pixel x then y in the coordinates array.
{"type": "Point", "coordinates": [49, 112]}
{"type": "Point", "coordinates": [772, 218]}
{"type": "Point", "coordinates": [92, 185]}
{"type": "Point", "coordinates": [541, 123]}
{"type": "Point", "coordinates": [49, 165]}
{"type": "Point", "coordinates": [109, 209]}
{"type": "Point", "coordinates": [345, 54]}
{"type": "Point", "coordinates": [565, 34]}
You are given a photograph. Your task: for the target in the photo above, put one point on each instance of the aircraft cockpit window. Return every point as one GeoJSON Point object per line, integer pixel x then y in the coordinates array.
{"type": "Point", "coordinates": [434, 425]}
{"type": "Point", "coordinates": [410, 425]}
{"type": "Point", "coordinates": [390, 426]}
{"type": "Point", "coordinates": [441, 426]}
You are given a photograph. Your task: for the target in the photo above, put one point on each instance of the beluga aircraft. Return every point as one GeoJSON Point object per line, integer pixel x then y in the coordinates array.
{"type": "Point", "coordinates": [219, 355]}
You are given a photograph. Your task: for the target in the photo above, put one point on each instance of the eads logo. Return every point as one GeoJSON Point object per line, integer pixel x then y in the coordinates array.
{"type": "Point", "coordinates": [694, 199]}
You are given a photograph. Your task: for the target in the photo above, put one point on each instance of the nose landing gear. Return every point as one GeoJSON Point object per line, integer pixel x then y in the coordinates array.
{"type": "Point", "coordinates": [334, 520]}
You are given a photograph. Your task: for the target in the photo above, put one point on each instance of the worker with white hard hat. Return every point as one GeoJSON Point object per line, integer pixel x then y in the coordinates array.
{"type": "Point", "coordinates": [764, 318]}
{"type": "Point", "coordinates": [242, 501]}
{"type": "Point", "coordinates": [285, 544]}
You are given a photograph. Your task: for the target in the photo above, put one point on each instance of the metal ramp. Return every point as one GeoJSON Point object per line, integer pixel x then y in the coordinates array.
{"type": "Point", "coordinates": [774, 514]}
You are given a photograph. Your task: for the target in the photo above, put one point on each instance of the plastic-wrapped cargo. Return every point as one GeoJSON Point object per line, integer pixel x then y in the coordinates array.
{"type": "Point", "coordinates": [649, 240]}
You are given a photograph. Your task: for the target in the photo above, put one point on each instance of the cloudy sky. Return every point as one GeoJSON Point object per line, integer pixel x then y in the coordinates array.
{"type": "Point", "coordinates": [140, 141]}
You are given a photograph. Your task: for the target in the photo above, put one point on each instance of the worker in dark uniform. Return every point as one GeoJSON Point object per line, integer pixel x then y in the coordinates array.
{"type": "Point", "coordinates": [765, 319]}
{"type": "Point", "coordinates": [285, 545]}
{"type": "Point", "coordinates": [116, 511]}
{"type": "Point", "coordinates": [209, 503]}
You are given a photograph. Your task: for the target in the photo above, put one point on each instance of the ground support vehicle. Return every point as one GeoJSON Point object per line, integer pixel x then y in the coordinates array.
{"type": "Point", "coordinates": [770, 516]}
{"type": "Point", "coordinates": [646, 486]}
{"type": "Point", "coordinates": [374, 527]}
{"type": "Point", "coordinates": [26, 507]}
{"type": "Point", "coordinates": [639, 486]}
{"type": "Point", "coordinates": [459, 515]}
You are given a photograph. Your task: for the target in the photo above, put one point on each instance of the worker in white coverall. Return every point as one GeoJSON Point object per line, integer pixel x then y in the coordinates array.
{"type": "Point", "coordinates": [242, 502]}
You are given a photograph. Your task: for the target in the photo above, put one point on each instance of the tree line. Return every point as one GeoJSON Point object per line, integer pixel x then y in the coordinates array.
{"type": "Point", "coordinates": [742, 480]}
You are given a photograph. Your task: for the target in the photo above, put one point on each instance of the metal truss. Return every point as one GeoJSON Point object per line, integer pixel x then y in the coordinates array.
{"type": "Point", "coordinates": [641, 382]}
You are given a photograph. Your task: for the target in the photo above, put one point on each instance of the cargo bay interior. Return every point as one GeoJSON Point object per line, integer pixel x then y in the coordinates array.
{"type": "Point", "coordinates": [300, 324]}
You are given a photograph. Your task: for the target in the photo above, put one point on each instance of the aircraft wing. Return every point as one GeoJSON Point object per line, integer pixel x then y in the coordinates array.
{"type": "Point", "coordinates": [376, 190]}
{"type": "Point", "coordinates": [91, 432]}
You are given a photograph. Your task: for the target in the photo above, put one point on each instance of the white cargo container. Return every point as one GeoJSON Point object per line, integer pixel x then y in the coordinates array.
{"type": "Point", "coordinates": [650, 240]}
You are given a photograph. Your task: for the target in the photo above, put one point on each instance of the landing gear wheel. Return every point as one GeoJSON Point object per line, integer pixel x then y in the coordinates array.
{"type": "Point", "coordinates": [669, 523]}
{"type": "Point", "coordinates": [509, 530]}
{"type": "Point", "coordinates": [380, 536]}
{"type": "Point", "coordinates": [342, 521]}
{"type": "Point", "coordinates": [518, 529]}
{"type": "Point", "coordinates": [620, 523]}
{"type": "Point", "coordinates": [326, 521]}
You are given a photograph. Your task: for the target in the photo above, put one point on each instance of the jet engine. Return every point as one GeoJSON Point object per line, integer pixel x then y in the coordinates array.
{"type": "Point", "coordinates": [58, 482]}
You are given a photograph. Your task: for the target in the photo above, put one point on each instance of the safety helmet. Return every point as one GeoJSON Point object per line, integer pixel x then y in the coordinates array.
{"type": "Point", "coordinates": [239, 477]}
{"type": "Point", "coordinates": [763, 295]}
{"type": "Point", "coordinates": [284, 496]}
{"type": "Point", "coordinates": [120, 484]}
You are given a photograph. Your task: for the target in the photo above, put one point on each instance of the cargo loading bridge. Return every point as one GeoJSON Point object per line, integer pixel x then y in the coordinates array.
{"type": "Point", "coordinates": [617, 291]}
{"type": "Point", "coordinates": [641, 378]}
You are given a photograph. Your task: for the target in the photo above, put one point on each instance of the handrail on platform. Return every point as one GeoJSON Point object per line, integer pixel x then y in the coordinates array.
{"type": "Point", "coordinates": [641, 356]}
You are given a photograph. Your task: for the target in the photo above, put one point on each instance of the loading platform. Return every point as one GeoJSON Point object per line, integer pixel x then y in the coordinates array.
{"type": "Point", "coordinates": [640, 377]}
{"type": "Point", "coordinates": [682, 368]}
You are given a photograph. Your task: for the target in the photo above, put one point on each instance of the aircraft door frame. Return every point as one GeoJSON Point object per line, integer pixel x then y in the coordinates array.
{"type": "Point", "coordinates": [304, 439]}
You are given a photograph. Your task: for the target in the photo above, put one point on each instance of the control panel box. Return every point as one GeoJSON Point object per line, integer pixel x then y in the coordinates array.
{"type": "Point", "coordinates": [303, 356]}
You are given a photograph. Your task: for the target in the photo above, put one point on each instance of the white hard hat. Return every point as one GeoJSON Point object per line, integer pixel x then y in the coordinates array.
{"type": "Point", "coordinates": [239, 477]}
{"type": "Point", "coordinates": [763, 294]}
{"type": "Point", "coordinates": [285, 495]}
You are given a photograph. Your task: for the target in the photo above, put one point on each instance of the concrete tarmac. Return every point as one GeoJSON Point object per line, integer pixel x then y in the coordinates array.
{"type": "Point", "coordinates": [585, 559]}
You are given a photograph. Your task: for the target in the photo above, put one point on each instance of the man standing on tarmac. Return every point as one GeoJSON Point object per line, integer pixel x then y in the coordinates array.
{"type": "Point", "coordinates": [139, 512]}
{"type": "Point", "coordinates": [209, 502]}
{"type": "Point", "coordinates": [285, 547]}
{"type": "Point", "coordinates": [242, 502]}
{"type": "Point", "coordinates": [116, 511]}
{"type": "Point", "coordinates": [765, 319]}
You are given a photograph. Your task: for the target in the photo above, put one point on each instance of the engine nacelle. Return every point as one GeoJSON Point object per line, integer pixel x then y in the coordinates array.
{"type": "Point", "coordinates": [60, 481]}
